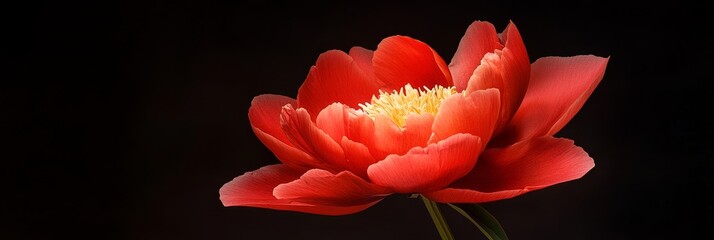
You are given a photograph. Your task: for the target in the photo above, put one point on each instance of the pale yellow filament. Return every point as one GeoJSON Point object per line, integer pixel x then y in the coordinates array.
{"type": "Point", "coordinates": [397, 105]}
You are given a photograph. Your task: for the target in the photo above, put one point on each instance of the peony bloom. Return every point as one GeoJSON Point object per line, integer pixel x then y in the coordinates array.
{"type": "Point", "coordinates": [367, 124]}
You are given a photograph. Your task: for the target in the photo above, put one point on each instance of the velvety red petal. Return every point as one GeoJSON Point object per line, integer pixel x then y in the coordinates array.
{"type": "Point", "coordinates": [286, 152]}
{"type": "Point", "coordinates": [558, 88]}
{"type": "Point", "coordinates": [354, 131]}
{"type": "Point", "coordinates": [363, 59]}
{"type": "Point", "coordinates": [516, 67]}
{"type": "Point", "coordinates": [475, 114]}
{"type": "Point", "coordinates": [303, 134]}
{"type": "Point", "coordinates": [321, 187]}
{"type": "Point", "coordinates": [399, 60]}
{"type": "Point", "coordinates": [525, 166]}
{"type": "Point", "coordinates": [339, 120]}
{"type": "Point", "coordinates": [333, 120]}
{"type": "Point", "coordinates": [361, 127]}
{"type": "Point", "coordinates": [430, 168]}
{"type": "Point", "coordinates": [264, 116]}
{"type": "Point", "coordinates": [358, 157]}
{"type": "Point", "coordinates": [489, 74]}
{"type": "Point", "coordinates": [389, 138]}
{"type": "Point", "coordinates": [516, 63]}
{"type": "Point", "coordinates": [480, 38]}
{"type": "Point", "coordinates": [336, 77]}
{"type": "Point", "coordinates": [461, 195]}
{"type": "Point", "coordinates": [508, 70]}
{"type": "Point", "coordinates": [255, 189]}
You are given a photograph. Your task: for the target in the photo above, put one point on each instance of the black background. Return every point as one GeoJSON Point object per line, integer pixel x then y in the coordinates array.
{"type": "Point", "coordinates": [122, 120]}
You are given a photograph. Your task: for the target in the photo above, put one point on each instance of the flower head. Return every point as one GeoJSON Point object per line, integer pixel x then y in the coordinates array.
{"type": "Point", "coordinates": [367, 124]}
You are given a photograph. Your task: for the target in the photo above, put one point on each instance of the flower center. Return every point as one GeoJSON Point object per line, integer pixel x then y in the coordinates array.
{"type": "Point", "coordinates": [398, 105]}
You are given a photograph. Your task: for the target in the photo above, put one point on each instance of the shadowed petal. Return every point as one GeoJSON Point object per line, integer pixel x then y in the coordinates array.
{"type": "Point", "coordinates": [285, 152]}
{"type": "Point", "coordinates": [303, 134]}
{"type": "Point", "coordinates": [363, 59]}
{"type": "Point", "coordinates": [522, 167]}
{"type": "Point", "coordinates": [321, 187]}
{"type": "Point", "coordinates": [429, 168]}
{"type": "Point", "coordinates": [516, 69]}
{"type": "Point", "coordinates": [255, 189]}
{"type": "Point", "coordinates": [264, 116]}
{"type": "Point", "coordinates": [358, 156]}
{"type": "Point", "coordinates": [558, 88]}
{"type": "Point", "coordinates": [508, 70]}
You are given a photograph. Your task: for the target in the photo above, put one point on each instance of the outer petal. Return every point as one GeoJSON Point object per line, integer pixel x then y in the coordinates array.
{"type": "Point", "coordinates": [480, 38]}
{"type": "Point", "coordinates": [522, 167]}
{"type": "Point", "coordinates": [303, 134]}
{"type": "Point", "coordinates": [430, 168]}
{"type": "Point", "coordinates": [508, 70]}
{"type": "Point", "coordinates": [264, 116]}
{"type": "Point", "coordinates": [335, 78]}
{"type": "Point", "coordinates": [363, 59]}
{"type": "Point", "coordinates": [400, 60]}
{"type": "Point", "coordinates": [475, 114]}
{"type": "Point", "coordinates": [558, 88]}
{"type": "Point", "coordinates": [255, 189]}
{"type": "Point", "coordinates": [321, 187]}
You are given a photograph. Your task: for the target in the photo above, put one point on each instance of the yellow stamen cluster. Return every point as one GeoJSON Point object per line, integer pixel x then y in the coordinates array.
{"type": "Point", "coordinates": [398, 105]}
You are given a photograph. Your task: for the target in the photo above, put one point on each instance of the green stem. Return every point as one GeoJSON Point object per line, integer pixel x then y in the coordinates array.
{"type": "Point", "coordinates": [439, 220]}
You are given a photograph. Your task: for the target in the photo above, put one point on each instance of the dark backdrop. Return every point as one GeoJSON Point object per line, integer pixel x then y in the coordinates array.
{"type": "Point", "coordinates": [122, 120]}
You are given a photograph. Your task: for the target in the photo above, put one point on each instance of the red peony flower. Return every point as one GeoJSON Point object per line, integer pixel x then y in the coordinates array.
{"type": "Point", "coordinates": [367, 124]}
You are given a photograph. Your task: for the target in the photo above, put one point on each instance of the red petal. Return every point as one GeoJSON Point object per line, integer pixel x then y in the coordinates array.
{"type": "Point", "coordinates": [255, 189]}
{"type": "Point", "coordinates": [522, 167]}
{"type": "Point", "coordinates": [480, 38]}
{"type": "Point", "coordinates": [428, 169]}
{"type": "Point", "coordinates": [353, 130]}
{"type": "Point", "coordinates": [360, 127]}
{"type": "Point", "coordinates": [381, 136]}
{"type": "Point", "coordinates": [358, 156]}
{"type": "Point", "coordinates": [558, 88]}
{"type": "Point", "coordinates": [303, 133]}
{"type": "Point", "coordinates": [333, 120]}
{"type": "Point", "coordinates": [363, 59]}
{"type": "Point", "coordinates": [338, 120]}
{"type": "Point", "coordinates": [391, 139]}
{"type": "Point", "coordinates": [461, 195]}
{"type": "Point", "coordinates": [336, 77]}
{"type": "Point", "coordinates": [516, 64]}
{"type": "Point", "coordinates": [475, 114]}
{"type": "Point", "coordinates": [264, 116]}
{"type": "Point", "coordinates": [321, 187]}
{"type": "Point", "coordinates": [400, 60]}
{"type": "Point", "coordinates": [285, 152]}
{"type": "Point", "coordinates": [508, 70]}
